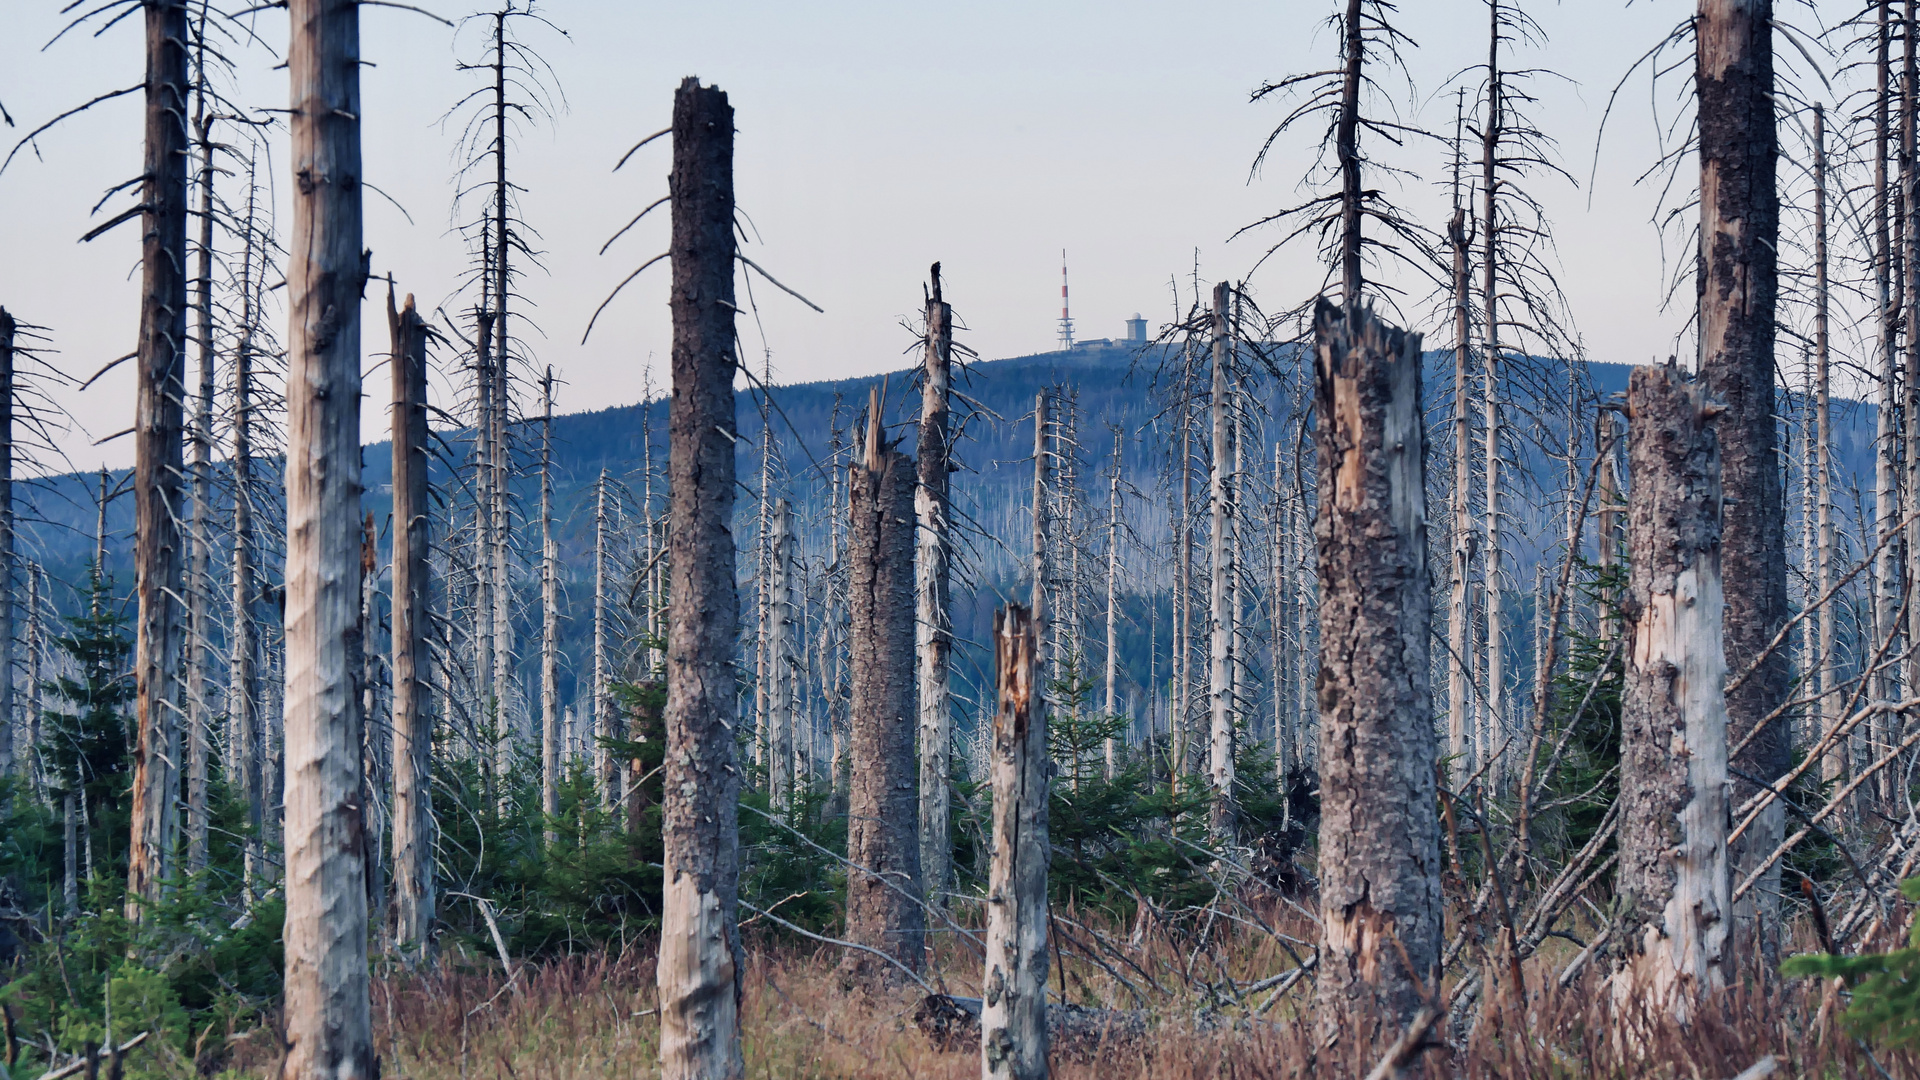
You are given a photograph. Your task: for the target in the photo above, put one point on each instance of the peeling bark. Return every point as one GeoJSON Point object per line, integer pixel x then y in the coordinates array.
{"type": "Point", "coordinates": [1379, 832]}
{"type": "Point", "coordinates": [700, 955]}
{"type": "Point", "coordinates": [1673, 736]}
{"type": "Point", "coordinates": [1013, 1013]}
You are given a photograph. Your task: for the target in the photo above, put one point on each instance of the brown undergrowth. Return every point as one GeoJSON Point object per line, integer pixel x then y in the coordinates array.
{"type": "Point", "coordinates": [592, 1016]}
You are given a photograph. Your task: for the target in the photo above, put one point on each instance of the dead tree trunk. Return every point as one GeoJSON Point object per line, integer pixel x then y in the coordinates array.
{"type": "Point", "coordinates": [700, 955]}
{"type": "Point", "coordinates": [1013, 1008]}
{"type": "Point", "coordinates": [1822, 478]}
{"type": "Point", "coordinates": [199, 710]}
{"type": "Point", "coordinates": [780, 606]}
{"type": "Point", "coordinates": [605, 765]}
{"type": "Point", "coordinates": [1379, 834]}
{"type": "Point", "coordinates": [1220, 644]}
{"type": "Point", "coordinates": [550, 734]}
{"type": "Point", "coordinates": [158, 461]}
{"type": "Point", "coordinates": [933, 623]}
{"type": "Point", "coordinates": [7, 754]}
{"type": "Point", "coordinates": [1460, 601]}
{"type": "Point", "coordinates": [413, 884]}
{"type": "Point", "coordinates": [1738, 283]}
{"type": "Point", "coordinates": [329, 1024]}
{"type": "Point", "coordinates": [1110, 703]}
{"type": "Point", "coordinates": [244, 657]}
{"type": "Point", "coordinates": [1673, 763]}
{"type": "Point", "coordinates": [883, 893]}
{"type": "Point", "coordinates": [1607, 541]}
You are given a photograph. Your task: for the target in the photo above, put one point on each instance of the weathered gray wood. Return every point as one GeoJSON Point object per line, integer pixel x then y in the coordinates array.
{"type": "Point", "coordinates": [329, 1029]}
{"type": "Point", "coordinates": [782, 700]}
{"type": "Point", "coordinates": [1379, 832]}
{"type": "Point", "coordinates": [249, 734]}
{"type": "Point", "coordinates": [1460, 597]}
{"type": "Point", "coordinates": [1222, 812]}
{"type": "Point", "coordinates": [413, 881]}
{"type": "Point", "coordinates": [1738, 283]}
{"type": "Point", "coordinates": [1013, 1014]}
{"type": "Point", "coordinates": [883, 895]}
{"type": "Point", "coordinates": [158, 457]}
{"type": "Point", "coordinates": [1673, 731]}
{"type": "Point", "coordinates": [199, 628]}
{"type": "Point", "coordinates": [933, 625]}
{"type": "Point", "coordinates": [1828, 711]}
{"type": "Point", "coordinates": [7, 752]}
{"type": "Point", "coordinates": [550, 734]}
{"type": "Point", "coordinates": [700, 955]}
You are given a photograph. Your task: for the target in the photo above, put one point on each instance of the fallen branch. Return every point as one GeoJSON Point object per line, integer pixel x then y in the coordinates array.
{"type": "Point", "coordinates": [1408, 1045]}
{"type": "Point", "coordinates": [99, 1055]}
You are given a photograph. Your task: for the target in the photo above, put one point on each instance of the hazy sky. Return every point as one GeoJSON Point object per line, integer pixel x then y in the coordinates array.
{"type": "Point", "coordinates": [874, 138]}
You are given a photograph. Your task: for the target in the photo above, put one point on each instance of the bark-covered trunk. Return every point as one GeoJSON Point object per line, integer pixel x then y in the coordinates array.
{"type": "Point", "coordinates": [1013, 1007]}
{"type": "Point", "coordinates": [1379, 834]}
{"type": "Point", "coordinates": [329, 1024]}
{"type": "Point", "coordinates": [1884, 723]}
{"type": "Point", "coordinates": [413, 884]}
{"type": "Point", "coordinates": [1673, 734]}
{"type": "Point", "coordinates": [700, 955]}
{"type": "Point", "coordinates": [1881, 590]}
{"type": "Point", "coordinates": [1221, 816]}
{"type": "Point", "coordinates": [883, 893]}
{"type": "Point", "coordinates": [1740, 225]}
{"type": "Point", "coordinates": [158, 464]}
{"type": "Point", "coordinates": [933, 623]}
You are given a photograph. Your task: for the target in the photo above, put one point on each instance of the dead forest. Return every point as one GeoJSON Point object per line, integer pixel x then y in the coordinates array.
{"type": "Point", "coordinates": [1364, 681]}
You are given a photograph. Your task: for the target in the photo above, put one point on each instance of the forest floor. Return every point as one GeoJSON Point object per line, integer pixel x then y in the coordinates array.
{"type": "Point", "coordinates": [591, 1017]}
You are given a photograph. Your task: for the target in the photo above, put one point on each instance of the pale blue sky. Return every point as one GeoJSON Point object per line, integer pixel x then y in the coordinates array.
{"type": "Point", "coordinates": [873, 139]}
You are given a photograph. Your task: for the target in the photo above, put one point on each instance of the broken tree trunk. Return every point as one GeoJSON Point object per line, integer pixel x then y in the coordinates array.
{"type": "Point", "coordinates": [933, 623]}
{"type": "Point", "coordinates": [158, 463]}
{"type": "Point", "coordinates": [1673, 741]}
{"type": "Point", "coordinates": [329, 1023]}
{"type": "Point", "coordinates": [413, 884]}
{"type": "Point", "coordinates": [884, 892]}
{"type": "Point", "coordinates": [700, 955]}
{"type": "Point", "coordinates": [1013, 1013]}
{"type": "Point", "coordinates": [1379, 834]}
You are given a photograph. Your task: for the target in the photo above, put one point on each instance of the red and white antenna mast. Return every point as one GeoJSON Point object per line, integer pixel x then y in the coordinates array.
{"type": "Point", "coordinates": [1066, 320]}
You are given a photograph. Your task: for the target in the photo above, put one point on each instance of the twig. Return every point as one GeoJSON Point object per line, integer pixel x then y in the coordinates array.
{"type": "Point", "coordinates": [1408, 1045]}
{"type": "Point", "coordinates": [101, 1054]}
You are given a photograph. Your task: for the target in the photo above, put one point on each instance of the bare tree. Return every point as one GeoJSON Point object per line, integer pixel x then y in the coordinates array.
{"type": "Point", "coordinates": [1673, 742]}
{"type": "Point", "coordinates": [1738, 287]}
{"type": "Point", "coordinates": [550, 734]}
{"type": "Point", "coordinates": [700, 956]}
{"type": "Point", "coordinates": [413, 880]}
{"type": "Point", "coordinates": [329, 1022]}
{"type": "Point", "coordinates": [158, 458]}
{"type": "Point", "coordinates": [1379, 833]}
{"type": "Point", "coordinates": [884, 889]}
{"type": "Point", "coordinates": [1220, 498]}
{"type": "Point", "coordinates": [1013, 1011]}
{"type": "Point", "coordinates": [933, 626]}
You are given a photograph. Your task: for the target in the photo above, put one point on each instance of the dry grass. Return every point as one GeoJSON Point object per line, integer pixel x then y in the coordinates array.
{"type": "Point", "coordinates": [591, 1017]}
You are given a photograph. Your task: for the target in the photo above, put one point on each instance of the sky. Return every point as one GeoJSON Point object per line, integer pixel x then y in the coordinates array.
{"type": "Point", "coordinates": [873, 139]}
